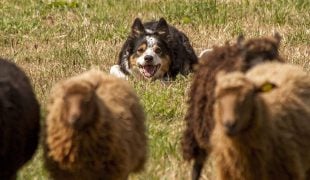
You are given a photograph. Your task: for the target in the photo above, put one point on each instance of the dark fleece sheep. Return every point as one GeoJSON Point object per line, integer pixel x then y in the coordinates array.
{"type": "Point", "coordinates": [94, 129]}
{"type": "Point", "coordinates": [19, 119]}
{"type": "Point", "coordinates": [262, 124]}
{"type": "Point", "coordinates": [240, 56]}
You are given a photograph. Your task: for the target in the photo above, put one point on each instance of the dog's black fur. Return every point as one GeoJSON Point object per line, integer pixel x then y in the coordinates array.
{"type": "Point", "coordinates": [176, 53]}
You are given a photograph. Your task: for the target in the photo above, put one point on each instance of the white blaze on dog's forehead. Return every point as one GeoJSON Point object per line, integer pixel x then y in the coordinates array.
{"type": "Point", "coordinates": [151, 41]}
{"type": "Point", "coordinates": [149, 51]}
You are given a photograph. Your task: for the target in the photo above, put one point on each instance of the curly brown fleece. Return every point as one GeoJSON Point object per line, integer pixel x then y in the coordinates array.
{"type": "Point", "coordinates": [282, 151]}
{"type": "Point", "coordinates": [19, 119]}
{"type": "Point", "coordinates": [199, 117]}
{"type": "Point", "coordinates": [112, 146]}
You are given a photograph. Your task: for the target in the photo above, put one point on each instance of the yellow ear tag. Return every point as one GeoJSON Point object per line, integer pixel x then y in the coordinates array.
{"type": "Point", "coordinates": [266, 87]}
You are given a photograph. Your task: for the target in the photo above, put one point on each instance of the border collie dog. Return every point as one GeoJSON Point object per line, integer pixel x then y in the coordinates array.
{"type": "Point", "coordinates": [155, 50]}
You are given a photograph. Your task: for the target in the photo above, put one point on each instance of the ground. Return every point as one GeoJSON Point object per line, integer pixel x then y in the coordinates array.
{"type": "Point", "coordinates": [52, 40]}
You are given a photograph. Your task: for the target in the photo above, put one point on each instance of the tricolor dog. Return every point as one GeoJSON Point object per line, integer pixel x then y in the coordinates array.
{"type": "Point", "coordinates": [155, 50]}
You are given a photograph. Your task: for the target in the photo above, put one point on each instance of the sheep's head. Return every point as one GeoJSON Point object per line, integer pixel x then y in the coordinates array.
{"type": "Point", "coordinates": [234, 104]}
{"type": "Point", "coordinates": [259, 50]}
{"type": "Point", "coordinates": [79, 105]}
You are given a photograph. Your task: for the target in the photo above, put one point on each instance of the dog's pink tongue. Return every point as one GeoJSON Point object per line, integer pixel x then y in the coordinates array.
{"type": "Point", "coordinates": [149, 70]}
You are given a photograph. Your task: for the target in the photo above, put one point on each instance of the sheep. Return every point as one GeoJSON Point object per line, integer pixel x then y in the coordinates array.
{"type": "Point", "coordinates": [94, 129]}
{"type": "Point", "coordinates": [262, 124]}
{"type": "Point", "coordinates": [239, 56]}
{"type": "Point", "coordinates": [19, 121]}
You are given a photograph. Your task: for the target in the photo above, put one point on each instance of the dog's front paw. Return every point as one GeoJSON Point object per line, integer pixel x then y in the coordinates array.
{"type": "Point", "coordinates": [116, 71]}
{"type": "Point", "coordinates": [205, 52]}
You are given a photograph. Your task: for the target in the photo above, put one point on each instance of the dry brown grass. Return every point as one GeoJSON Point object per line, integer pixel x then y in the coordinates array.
{"type": "Point", "coordinates": [52, 40]}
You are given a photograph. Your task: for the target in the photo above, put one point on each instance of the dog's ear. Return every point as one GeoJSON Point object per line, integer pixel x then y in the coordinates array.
{"type": "Point", "coordinates": [162, 27]}
{"type": "Point", "coordinates": [137, 27]}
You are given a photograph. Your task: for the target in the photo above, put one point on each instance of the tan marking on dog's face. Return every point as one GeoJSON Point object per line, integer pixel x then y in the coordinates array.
{"type": "Point", "coordinates": [134, 67]}
{"type": "Point", "coordinates": [133, 58]}
{"type": "Point", "coordinates": [157, 50]}
{"type": "Point", "coordinates": [150, 59]}
{"type": "Point", "coordinates": [141, 49]}
{"type": "Point", "coordinates": [132, 61]}
{"type": "Point", "coordinates": [164, 68]}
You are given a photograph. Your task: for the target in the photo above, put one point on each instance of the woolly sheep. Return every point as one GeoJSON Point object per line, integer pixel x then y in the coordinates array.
{"type": "Point", "coordinates": [20, 119]}
{"type": "Point", "coordinates": [94, 129]}
{"type": "Point", "coordinates": [239, 56]}
{"type": "Point", "coordinates": [262, 126]}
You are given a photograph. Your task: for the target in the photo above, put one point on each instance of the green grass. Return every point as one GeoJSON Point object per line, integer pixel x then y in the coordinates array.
{"type": "Point", "coordinates": [52, 40]}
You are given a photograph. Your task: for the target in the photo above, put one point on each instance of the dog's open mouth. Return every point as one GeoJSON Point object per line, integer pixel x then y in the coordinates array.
{"type": "Point", "coordinates": [149, 70]}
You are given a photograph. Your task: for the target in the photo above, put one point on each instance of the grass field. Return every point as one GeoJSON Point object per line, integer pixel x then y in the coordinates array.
{"type": "Point", "coordinates": [52, 40]}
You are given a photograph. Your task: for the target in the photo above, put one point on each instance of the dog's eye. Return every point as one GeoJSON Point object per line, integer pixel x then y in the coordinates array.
{"type": "Point", "coordinates": [158, 51]}
{"type": "Point", "coordinates": [140, 50]}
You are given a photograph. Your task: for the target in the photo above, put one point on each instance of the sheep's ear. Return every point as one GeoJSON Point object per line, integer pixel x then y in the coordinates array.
{"type": "Point", "coordinates": [241, 45]}
{"type": "Point", "coordinates": [162, 27]}
{"type": "Point", "coordinates": [137, 27]}
{"type": "Point", "coordinates": [240, 41]}
{"type": "Point", "coordinates": [266, 87]}
{"type": "Point", "coordinates": [277, 37]}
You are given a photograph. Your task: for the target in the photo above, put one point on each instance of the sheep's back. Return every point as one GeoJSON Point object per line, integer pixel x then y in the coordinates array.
{"type": "Point", "coordinates": [200, 103]}
{"type": "Point", "coordinates": [122, 101]}
{"type": "Point", "coordinates": [120, 128]}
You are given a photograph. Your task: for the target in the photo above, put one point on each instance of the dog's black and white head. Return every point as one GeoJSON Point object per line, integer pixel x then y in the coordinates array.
{"type": "Point", "coordinates": [150, 53]}
{"type": "Point", "coordinates": [145, 51]}
{"type": "Point", "coordinates": [154, 50]}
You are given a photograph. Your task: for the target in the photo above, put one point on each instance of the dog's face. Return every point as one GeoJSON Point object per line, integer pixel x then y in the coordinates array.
{"type": "Point", "coordinates": [150, 56]}
{"type": "Point", "coordinates": [150, 53]}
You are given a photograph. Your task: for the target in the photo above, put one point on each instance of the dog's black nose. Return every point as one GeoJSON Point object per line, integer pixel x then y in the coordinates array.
{"type": "Point", "coordinates": [148, 58]}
